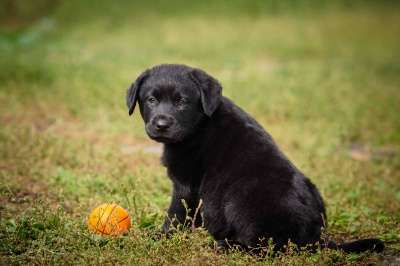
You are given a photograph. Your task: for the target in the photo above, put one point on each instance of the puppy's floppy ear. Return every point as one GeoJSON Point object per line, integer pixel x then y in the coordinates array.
{"type": "Point", "coordinates": [133, 91]}
{"type": "Point", "coordinates": [210, 90]}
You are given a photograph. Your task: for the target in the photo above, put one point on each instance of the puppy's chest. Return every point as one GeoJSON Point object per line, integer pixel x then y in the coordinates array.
{"type": "Point", "coordinates": [184, 168]}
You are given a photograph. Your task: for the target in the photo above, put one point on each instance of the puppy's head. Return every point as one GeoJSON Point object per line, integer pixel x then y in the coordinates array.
{"type": "Point", "coordinates": [173, 100]}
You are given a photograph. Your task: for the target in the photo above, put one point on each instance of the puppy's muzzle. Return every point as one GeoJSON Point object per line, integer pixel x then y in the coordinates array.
{"type": "Point", "coordinates": [162, 122]}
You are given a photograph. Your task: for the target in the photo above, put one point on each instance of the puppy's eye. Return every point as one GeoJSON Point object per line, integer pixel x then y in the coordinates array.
{"type": "Point", "coordinates": [180, 100]}
{"type": "Point", "coordinates": [151, 100]}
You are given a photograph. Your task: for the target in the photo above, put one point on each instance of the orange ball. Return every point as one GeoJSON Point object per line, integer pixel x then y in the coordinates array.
{"type": "Point", "coordinates": [109, 219]}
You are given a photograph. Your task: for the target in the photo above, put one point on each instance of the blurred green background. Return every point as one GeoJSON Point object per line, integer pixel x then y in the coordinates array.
{"type": "Point", "coordinates": [323, 77]}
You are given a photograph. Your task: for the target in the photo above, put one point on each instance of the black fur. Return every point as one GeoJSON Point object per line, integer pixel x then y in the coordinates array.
{"type": "Point", "coordinates": [216, 152]}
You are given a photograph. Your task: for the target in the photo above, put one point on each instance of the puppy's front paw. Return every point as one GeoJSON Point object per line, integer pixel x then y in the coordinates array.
{"type": "Point", "coordinates": [221, 246]}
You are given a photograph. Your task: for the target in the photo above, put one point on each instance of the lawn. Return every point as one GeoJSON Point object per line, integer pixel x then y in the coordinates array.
{"type": "Point", "coordinates": [323, 77]}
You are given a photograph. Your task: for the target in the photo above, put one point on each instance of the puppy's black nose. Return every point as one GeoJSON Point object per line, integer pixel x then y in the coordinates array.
{"type": "Point", "coordinates": [162, 123]}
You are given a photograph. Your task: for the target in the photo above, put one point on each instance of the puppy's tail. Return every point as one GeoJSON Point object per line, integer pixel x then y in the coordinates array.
{"type": "Point", "coordinates": [358, 246]}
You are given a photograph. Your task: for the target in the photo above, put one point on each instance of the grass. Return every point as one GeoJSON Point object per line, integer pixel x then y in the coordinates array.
{"type": "Point", "coordinates": [322, 77]}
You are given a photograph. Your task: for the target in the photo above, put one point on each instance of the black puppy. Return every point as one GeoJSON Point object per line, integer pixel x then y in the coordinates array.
{"type": "Point", "coordinates": [217, 153]}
